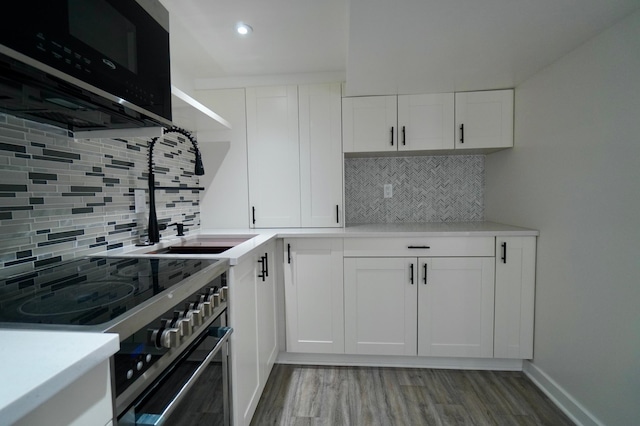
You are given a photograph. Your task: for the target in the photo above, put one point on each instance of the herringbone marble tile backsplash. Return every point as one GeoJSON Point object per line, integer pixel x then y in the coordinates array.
{"type": "Point", "coordinates": [425, 189]}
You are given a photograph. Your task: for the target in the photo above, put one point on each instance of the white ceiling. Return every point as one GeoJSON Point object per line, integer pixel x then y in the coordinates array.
{"type": "Point", "coordinates": [381, 46]}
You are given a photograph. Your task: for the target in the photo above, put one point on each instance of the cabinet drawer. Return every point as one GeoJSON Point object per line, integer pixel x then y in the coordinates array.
{"type": "Point", "coordinates": [420, 246]}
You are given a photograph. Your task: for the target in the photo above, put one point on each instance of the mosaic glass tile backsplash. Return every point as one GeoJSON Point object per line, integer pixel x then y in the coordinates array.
{"type": "Point", "coordinates": [425, 189]}
{"type": "Point", "coordinates": [62, 198]}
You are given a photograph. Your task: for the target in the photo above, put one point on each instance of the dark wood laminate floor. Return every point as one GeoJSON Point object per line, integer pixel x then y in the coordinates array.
{"type": "Point", "coordinates": [335, 396]}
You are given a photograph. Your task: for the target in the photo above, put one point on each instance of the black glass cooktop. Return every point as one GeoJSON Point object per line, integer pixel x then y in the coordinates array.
{"type": "Point", "coordinates": [90, 291]}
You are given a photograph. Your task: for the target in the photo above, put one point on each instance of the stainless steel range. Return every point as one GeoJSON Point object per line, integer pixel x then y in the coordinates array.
{"type": "Point", "coordinates": [170, 315]}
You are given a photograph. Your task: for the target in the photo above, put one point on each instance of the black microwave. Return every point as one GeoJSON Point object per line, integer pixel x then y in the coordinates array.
{"type": "Point", "coordinates": [86, 64]}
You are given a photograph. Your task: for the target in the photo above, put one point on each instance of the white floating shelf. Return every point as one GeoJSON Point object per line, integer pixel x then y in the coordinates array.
{"type": "Point", "coordinates": [191, 115]}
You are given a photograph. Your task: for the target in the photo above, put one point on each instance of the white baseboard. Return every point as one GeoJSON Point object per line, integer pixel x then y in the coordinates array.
{"type": "Point", "coordinates": [567, 403]}
{"type": "Point", "coordinates": [400, 361]}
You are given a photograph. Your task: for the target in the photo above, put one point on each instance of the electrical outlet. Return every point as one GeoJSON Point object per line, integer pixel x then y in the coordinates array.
{"type": "Point", "coordinates": [388, 190]}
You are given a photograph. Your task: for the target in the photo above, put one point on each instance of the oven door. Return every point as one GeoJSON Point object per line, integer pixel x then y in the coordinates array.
{"type": "Point", "coordinates": [194, 390]}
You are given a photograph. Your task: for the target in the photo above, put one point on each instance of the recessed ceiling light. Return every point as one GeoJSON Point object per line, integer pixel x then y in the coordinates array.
{"type": "Point", "coordinates": [243, 29]}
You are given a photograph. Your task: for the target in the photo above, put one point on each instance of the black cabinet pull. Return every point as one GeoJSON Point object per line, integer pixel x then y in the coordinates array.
{"type": "Point", "coordinates": [404, 137]}
{"type": "Point", "coordinates": [391, 135]}
{"type": "Point", "coordinates": [418, 247]}
{"type": "Point", "coordinates": [288, 253]}
{"type": "Point", "coordinates": [462, 133]}
{"type": "Point", "coordinates": [411, 273]}
{"type": "Point", "coordinates": [425, 273]}
{"type": "Point", "coordinates": [253, 215]}
{"type": "Point", "coordinates": [262, 273]}
{"type": "Point", "coordinates": [266, 264]}
{"type": "Point", "coordinates": [504, 252]}
{"type": "Point", "coordinates": [337, 213]}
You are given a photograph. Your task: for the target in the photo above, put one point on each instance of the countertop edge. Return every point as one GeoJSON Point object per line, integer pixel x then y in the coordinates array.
{"type": "Point", "coordinates": [264, 235]}
{"type": "Point", "coordinates": [100, 346]}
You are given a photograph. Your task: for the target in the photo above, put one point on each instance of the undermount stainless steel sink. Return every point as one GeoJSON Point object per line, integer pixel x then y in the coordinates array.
{"type": "Point", "coordinates": [190, 250]}
{"type": "Point", "coordinates": [201, 245]}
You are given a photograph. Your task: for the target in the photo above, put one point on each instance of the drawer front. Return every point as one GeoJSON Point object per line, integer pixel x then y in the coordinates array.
{"type": "Point", "coordinates": [419, 246]}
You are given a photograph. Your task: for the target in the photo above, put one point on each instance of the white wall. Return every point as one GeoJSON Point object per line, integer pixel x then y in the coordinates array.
{"type": "Point", "coordinates": [224, 203]}
{"type": "Point", "coordinates": [574, 174]}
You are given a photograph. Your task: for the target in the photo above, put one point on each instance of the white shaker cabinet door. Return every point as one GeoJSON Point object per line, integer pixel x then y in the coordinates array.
{"type": "Point", "coordinates": [314, 295]}
{"type": "Point", "coordinates": [455, 307]}
{"type": "Point", "coordinates": [273, 151]}
{"type": "Point", "coordinates": [243, 317]}
{"type": "Point", "coordinates": [515, 294]}
{"type": "Point", "coordinates": [380, 306]}
{"type": "Point", "coordinates": [369, 124]}
{"type": "Point", "coordinates": [266, 296]}
{"type": "Point", "coordinates": [484, 119]}
{"type": "Point", "coordinates": [320, 155]}
{"type": "Point", "coordinates": [426, 122]}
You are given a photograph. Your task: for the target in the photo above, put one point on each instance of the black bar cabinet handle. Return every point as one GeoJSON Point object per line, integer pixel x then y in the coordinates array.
{"type": "Point", "coordinates": [425, 273]}
{"type": "Point", "coordinates": [418, 247]}
{"type": "Point", "coordinates": [411, 273]}
{"type": "Point", "coordinates": [262, 273]}
{"type": "Point", "coordinates": [253, 215]}
{"type": "Point", "coordinates": [391, 135]}
{"type": "Point", "coordinates": [462, 133]}
{"type": "Point", "coordinates": [504, 252]}
{"type": "Point", "coordinates": [337, 213]}
{"type": "Point", "coordinates": [288, 253]}
{"type": "Point", "coordinates": [266, 264]}
{"type": "Point", "coordinates": [404, 137]}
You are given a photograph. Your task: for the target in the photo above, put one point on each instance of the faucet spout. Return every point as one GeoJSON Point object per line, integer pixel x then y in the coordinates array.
{"type": "Point", "coordinates": [153, 228]}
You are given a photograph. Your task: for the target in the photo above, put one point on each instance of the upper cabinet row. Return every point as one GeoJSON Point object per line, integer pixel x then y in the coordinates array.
{"type": "Point", "coordinates": [296, 136]}
{"type": "Point", "coordinates": [445, 121]}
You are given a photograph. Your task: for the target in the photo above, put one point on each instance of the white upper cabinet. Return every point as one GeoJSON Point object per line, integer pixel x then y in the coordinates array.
{"type": "Point", "coordinates": [273, 151]}
{"type": "Point", "coordinates": [320, 155]}
{"type": "Point", "coordinates": [425, 122]}
{"type": "Point", "coordinates": [484, 119]}
{"type": "Point", "coordinates": [398, 123]}
{"type": "Point", "coordinates": [295, 156]}
{"type": "Point", "coordinates": [436, 122]}
{"type": "Point", "coordinates": [369, 124]}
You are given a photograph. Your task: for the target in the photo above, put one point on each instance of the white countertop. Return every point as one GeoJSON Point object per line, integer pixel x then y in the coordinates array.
{"type": "Point", "coordinates": [36, 364]}
{"type": "Point", "coordinates": [436, 229]}
{"type": "Point", "coordinates": [262, 236]}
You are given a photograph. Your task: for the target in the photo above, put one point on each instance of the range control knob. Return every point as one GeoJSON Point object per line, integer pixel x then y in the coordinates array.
{"type": "Point", "coordinates": [129, 374]}
{"type": "Point", "coordinates": [196, 314]}
{"type": "Point", "coordinates": [139, 365]}
{"type": "Point", "coordinates": [224, 293]}
{"type": "Point", "coordinates": [202, 304]}
{"type": "Point", "coordinates": [165, 336]}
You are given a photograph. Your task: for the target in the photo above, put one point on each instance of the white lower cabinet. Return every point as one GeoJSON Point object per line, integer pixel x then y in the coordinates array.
{"type": "Point", "coordinates": [380, 306]}
{"type": "Point", "coordinates": [314, 295]}
{"type": "Point", "coordinates": [455, 307]}
{"type": "Point", "coordinates": [515, 294]}
{"type": "Point", "coordinates": [456, 297]}
{"type": "Point", "coordinates": [393, 308]}
{"type": "Point", "coordinates": [253, 342]}
{"type": "Point", "coordinates": [437, 303]}
{"type": "Point", "coordinates": [88, 401]}
{"type": "Point", "coordinates": [266, 292]}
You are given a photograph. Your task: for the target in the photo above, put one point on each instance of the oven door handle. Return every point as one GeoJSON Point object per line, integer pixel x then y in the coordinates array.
{"type": "Point", "coordinates": [159, 419]}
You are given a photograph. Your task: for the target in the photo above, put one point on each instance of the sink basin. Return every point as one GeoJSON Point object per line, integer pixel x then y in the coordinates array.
{"type": "Point", "coordinates": [202, 245]}
{"type": "Point", "coordinates": [190, 250]}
